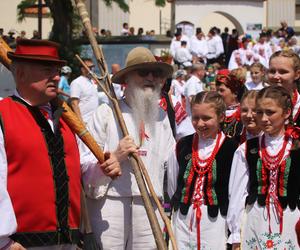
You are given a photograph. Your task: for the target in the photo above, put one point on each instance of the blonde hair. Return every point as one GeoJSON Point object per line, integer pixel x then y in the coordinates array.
{"type": "Point", "coordinates": [259, 66]}
{"type": "Point", "coordinates": [239, 73]}
{"type": "Point", "coordinates": [252, 94]}
{"type": "Point", "coordinates": [288, 54]}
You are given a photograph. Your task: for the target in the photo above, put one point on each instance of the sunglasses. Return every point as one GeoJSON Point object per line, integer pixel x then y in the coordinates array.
{"type": "Point", "coordinates": [157, 73]}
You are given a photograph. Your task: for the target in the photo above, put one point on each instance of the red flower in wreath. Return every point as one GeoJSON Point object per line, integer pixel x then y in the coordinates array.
{"type": "Point", "coordinates": [293, 131]}
{"type": "Point", "coordinates": [269, 244]}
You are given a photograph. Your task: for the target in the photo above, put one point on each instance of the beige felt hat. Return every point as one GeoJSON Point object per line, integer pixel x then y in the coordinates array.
{"type": "Point", "coordinates": [141, 58]}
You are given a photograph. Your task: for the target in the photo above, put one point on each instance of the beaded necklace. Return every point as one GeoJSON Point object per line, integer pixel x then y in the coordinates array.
{"type": "Point", "coordinates": [197, 161]}
{"type": "Point", "coordinates": [202, 167]}
{"type": "Point", "coordinates": [272, 163]}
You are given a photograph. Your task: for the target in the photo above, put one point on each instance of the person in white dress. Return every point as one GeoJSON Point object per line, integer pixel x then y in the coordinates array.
{"type": "Point", "coordinates": [265, 177]}
{"type": "Point", "coordinates": [257, 73]}
{"type": "Point", "coordinates": [198, 176]}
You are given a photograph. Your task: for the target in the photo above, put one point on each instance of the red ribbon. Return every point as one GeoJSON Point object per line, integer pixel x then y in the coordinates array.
{"type": "Point", "coordinates": [163, 104]}
{"type": "Point", "coordinates": [293, 132]}
{"type": "Point", "coordinates": [143, 134]}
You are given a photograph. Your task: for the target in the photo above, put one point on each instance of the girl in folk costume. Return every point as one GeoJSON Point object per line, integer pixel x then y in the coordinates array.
{"type": "Point", "coordinates": [251, 129]}
{"type": "Point", "coordinates": [230, 86]}
{"type": "Point", "coordinates": [257, 73]}
{"type": "Point", "coordinates": [198, 177]}
{"type": "Point", "coordinates": [284, 70]}
{"type": "Point", "coordinates": [265, 176]}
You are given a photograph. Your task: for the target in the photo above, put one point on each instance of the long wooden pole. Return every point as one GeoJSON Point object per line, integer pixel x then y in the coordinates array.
{"type": "Point", "coordinates": [135, 164]}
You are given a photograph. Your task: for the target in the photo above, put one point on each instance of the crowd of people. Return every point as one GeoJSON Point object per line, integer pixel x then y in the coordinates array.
{"type": "Point", "coordinates": [231, 50]}
{"type": "Point", "coordinates": [12, 35]}
{"type": "Point", "coordinates": [222, 143]}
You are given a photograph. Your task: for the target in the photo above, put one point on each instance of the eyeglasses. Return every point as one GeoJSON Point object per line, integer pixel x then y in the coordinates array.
{"type": "Point", "coordinates": [157, 73]}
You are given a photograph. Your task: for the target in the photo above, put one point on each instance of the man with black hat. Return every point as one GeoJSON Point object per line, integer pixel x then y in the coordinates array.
{"type": "Point", "coordinates": [39, 159]}
{"type": "Point", "coordinates": [117, 212]}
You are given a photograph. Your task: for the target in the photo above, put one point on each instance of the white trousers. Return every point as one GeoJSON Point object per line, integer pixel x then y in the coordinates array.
{"type": "Point", "coordinates": [121, 223]}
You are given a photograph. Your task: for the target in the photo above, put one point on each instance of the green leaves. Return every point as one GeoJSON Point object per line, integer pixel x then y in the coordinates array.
{"type": "Point", "coordinates": [21, 8]}
{"type": "Point", "coordinates": [160, 3]}
{"type": "Point", "coordinates": [121, 3]}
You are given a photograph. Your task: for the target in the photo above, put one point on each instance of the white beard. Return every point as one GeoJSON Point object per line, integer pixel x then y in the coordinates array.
{"type": "Point", "coordinates": [145, 106]}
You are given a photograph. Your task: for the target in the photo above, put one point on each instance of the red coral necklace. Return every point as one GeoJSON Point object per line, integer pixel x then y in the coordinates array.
{"type": "Point", "coordinates": [271, 162]}
{"type": "Point", "coordinates": [201, 166]}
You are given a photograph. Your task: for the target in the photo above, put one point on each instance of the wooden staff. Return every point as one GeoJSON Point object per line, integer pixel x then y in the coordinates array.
{"type": "Point", "coordinates": [4, 48]}
{"type": "Point", "coordinates": [136, 162]}
{"type": "Point", "coordinates": [79, 128]}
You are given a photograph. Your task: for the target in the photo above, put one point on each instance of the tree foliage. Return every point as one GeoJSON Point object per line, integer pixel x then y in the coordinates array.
{"type": "Point", "coordinates": [67, 23]}
{"type": "Point", "coordinates": [21, 9]}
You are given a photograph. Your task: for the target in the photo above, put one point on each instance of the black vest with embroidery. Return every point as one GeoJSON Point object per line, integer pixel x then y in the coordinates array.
{"type": "Point", "coordinates": [293, 181]}
{"type": "Point", "coordinates": [233, 129]}
{"type": "Point", "coordinates": [223, 161]}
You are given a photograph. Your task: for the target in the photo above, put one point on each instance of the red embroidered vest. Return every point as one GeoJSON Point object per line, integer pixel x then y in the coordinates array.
{"type": "Point", "coordinates": [34, 176]}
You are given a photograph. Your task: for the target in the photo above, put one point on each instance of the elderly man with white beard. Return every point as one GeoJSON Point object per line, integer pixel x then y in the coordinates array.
{"type": "Point", "coordinates": [117, 212]}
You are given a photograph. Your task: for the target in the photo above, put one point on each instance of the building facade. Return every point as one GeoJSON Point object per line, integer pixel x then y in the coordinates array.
{"type": "Point", "coordinates": [240, 14]}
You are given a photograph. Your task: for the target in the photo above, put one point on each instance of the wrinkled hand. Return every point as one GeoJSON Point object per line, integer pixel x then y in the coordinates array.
{"type": "Point", "coordinates": [16, 246]}
{"type": "Point", "coordinates": [111, 167]}
{"type": "Point", "coordinates": [236, 246]}
{"type": "Point", "coordinates": [125, 147]}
